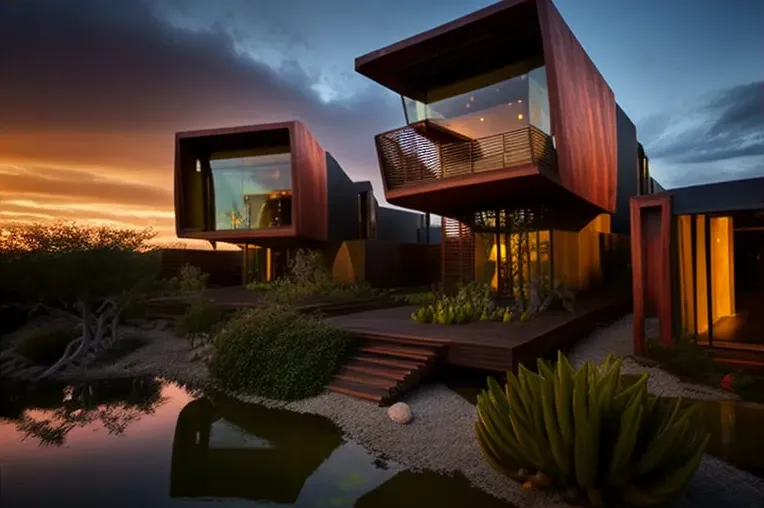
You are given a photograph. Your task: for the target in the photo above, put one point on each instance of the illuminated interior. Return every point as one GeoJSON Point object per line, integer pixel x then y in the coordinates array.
{"type": "Point", "coordinates": [694, 290]}
{"type": "Point", "coordinates": [493, 103]}
{"type": "Point", "coordinates": [252, 190]}
{"type": "Point", "coordinates": [508, 262]}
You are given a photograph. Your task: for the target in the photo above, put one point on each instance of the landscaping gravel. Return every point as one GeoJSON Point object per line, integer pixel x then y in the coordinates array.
{"type": "Point", "coordinates": [441, 436]}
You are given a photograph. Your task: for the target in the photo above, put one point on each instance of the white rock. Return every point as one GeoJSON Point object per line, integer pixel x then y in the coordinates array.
{"type": "Point", "coordinates": [400, 412]}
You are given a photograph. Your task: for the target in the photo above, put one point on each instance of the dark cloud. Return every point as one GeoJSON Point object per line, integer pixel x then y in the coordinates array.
{"type": "Point", "coordinates": [717, 138]}
{"type": "Point", "coordinates": [723, 125]}
{"type": "Point", "coordinates": [114, 66]}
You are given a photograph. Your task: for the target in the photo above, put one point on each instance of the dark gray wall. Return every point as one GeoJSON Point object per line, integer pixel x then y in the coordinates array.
{"type": "Point", "coordinates": [342, 195]}
{"type": "Point", "coordinates": [736, 195]}
{"type": "Point", "coordinates": [398, 226]}
{"type": "Point", "coordinates": [627, 171]}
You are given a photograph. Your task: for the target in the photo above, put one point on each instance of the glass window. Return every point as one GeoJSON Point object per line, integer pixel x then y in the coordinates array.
{"type": "Point", "coordinates": [503, 106]}
{"type": "Point", "coordinates": [538, 96]}
{"type": "Point", "coordinates": [252, 191]}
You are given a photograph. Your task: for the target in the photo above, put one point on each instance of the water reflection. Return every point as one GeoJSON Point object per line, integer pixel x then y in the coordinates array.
{"type": "Point", "coordinates": [226, 449]}
{"type": "Point", "coordinates": [187, 449]}
{"type": "Point", "coordinates": [48, 412]}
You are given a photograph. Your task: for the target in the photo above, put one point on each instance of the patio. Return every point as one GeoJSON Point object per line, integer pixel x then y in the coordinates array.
{"type": "Point", "coordinates": [490, 345]}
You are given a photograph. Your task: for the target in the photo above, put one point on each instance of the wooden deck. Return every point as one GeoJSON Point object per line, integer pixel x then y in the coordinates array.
{"type": "Point", "coordinates": [490, 346]}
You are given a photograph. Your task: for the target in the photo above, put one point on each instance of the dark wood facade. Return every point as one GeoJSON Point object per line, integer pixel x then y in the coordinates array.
{"type": "Point", "coordinates": [575, 171]}
{"type": "Point", "coordinates": [697, 269]}
{"type": "Point", "coordinates": [651, 266]}
{"type": "Point", "coordinates": [193, 189]}
{"type": "Point", "coordinates": [583, 113]}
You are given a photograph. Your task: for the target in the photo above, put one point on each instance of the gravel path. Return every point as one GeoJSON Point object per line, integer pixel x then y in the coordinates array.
{"type": "Point", "coordinates": [441, 438]}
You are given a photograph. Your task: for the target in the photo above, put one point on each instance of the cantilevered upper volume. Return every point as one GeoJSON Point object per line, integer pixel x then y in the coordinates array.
{"type": "Point", "coordinates": [264, 184]}
{"type": "Point", "coordinates": [503, 108]}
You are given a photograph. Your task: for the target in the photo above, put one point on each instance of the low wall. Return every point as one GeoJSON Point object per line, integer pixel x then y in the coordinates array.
{"type": "Point", "coordinates": [224, 267]}
{"type": "Point", "coordinates": [385, 264]}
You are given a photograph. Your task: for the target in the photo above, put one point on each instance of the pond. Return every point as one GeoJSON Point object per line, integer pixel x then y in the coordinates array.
{"type": "Point", "coordinates": [737, 428]}
{"type": "Point", "coordinates": [148, 442]}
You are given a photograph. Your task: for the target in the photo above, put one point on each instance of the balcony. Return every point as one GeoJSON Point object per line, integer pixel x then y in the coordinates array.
{"type": "Point", "coordinates": [424, 152]}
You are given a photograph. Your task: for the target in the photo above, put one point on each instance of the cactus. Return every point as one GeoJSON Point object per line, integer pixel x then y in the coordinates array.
{"type": "Point", "coordinates": [584, 429]}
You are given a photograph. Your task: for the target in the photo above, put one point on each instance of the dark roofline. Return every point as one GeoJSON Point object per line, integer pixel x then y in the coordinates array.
{"type": "Point", "coordinates": [731, 196]}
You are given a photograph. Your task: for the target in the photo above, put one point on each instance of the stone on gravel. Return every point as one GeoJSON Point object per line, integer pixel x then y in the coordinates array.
{"type": "Point", "coordinates": [400, 412]}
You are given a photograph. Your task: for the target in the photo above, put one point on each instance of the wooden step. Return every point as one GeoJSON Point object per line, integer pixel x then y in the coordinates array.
{"type": "Point", "coordinates": [377, 370]}
{"type": "Point", "coordinates": [399, 339]}
{"type": "Point", "coordinates": [399, 352]}
{"type": "Point", "coordinates": [360, 391]}
{"type": "Point", "coordinates": [366, 379]}
{"type": "Point", "coordinates": [389, 362]}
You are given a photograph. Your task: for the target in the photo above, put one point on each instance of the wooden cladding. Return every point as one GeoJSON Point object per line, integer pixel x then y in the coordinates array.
{"type": "Point", "coordinates": [583, 112]}
{"type": "Point", "coordinates": [409, 156]}
{"type": "Point", "coordinates": [194, 193]}
{"type": "Point", "coordinates": [310, 184]}
{"type": "Point", "coordinates": [458, 251]}
{"type": "Point", "coordinates": [651, 266]}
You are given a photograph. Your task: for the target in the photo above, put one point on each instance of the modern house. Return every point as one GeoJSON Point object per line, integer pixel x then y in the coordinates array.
{"type": "Point", "coordinates": [698, 258]}
{"type": "Point", "coordinates": [513, 136]}
{"type": "Point", "coordinates": [271, 189]}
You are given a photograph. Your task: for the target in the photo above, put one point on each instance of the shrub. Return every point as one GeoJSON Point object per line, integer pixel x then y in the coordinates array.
{"type": "Point", "coordinates": [695, 363]}
{"type": "Point", "coordinates": [309, 280]}
{"type": "Point", "coordinates": [586, 430]}
{"type": "Point", "coordinates": [201, 321]}
{"type": "Point", "coordinates": [471, 302]}
{"type": "Point", "coordinates": [190, 279]}
{"type": "Point", "coordinates": [687, 360]}
{"type": "Point", "coordinates": [424, 298]}
{"type": "Point", "coordinates": [278, 353]}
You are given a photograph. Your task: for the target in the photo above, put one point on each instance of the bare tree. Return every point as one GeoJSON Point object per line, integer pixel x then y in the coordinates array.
{"type": "Point", "coordinates": [87, 273]}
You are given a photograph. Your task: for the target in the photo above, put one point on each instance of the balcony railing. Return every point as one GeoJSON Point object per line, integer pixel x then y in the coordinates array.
{"type": "Point", "coordinates": [417, 153]}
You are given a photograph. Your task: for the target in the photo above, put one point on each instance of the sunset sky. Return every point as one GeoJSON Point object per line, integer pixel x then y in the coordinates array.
{"type": "Point", "coordinates": [92, 91]}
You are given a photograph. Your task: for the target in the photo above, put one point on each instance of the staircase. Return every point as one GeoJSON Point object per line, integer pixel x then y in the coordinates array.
{"type": "Point", "coordinates": [381, 369]}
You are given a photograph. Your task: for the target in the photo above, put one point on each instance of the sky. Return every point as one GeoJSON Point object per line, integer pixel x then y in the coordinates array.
{"type": "Point", "coordinates": [92, 91]}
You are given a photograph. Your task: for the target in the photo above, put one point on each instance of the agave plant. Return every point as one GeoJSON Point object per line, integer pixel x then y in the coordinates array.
{"type": "Point", "coordinates": [585, 429]}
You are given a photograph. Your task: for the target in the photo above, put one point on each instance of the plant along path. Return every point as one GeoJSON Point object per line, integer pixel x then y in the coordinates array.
{"type": "Point", "coordinates": [584, 431]}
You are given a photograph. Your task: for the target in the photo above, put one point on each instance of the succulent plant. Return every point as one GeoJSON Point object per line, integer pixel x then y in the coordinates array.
{"type": "Point", "coordinates": [585, 429]}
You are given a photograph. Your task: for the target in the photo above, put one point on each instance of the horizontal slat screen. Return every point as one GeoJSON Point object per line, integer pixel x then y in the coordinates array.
{"type": "Point", "coordinates": [408, 156]}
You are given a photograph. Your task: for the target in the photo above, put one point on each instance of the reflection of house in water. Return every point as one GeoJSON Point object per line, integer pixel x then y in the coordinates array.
{"type": "Point", "coordinates": [232, 449]}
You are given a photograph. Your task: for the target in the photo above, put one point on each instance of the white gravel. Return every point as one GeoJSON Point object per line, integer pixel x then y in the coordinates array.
{"type": "Point", "coordinates": [441, 437]}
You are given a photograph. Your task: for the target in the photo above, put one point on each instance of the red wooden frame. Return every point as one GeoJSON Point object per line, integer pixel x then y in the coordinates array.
{"type": "Point", "coordinates": [309, 191]}
{"type": "Point", "coordinates": [651, 265]}
{"type": "Point", "coordinates": [582, 105]}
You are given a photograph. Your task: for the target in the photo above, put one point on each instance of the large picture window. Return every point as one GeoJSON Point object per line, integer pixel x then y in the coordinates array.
{"type": "Point", "coordinates": [252, 191]}
{"type": "Point", "coordinates": [502, 106]}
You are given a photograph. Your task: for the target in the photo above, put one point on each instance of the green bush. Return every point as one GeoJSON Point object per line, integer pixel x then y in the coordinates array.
{"type": "Point", "coordinates": [472, 302]}
{"type": "Point", "coordinates": [587, 430]}
{"type": "Point", "coordinates": [424, 298]}
{"type": "Point", "coordinates": [190, 279]}
{"type": "Point", "coordinates": [201, 321]}
{"type": "Point", "coordinates": [309, 281]}
{"type": "Point", "coordinates": [278, 353]}
{"type": "Point", "coordinates": [694, 363]}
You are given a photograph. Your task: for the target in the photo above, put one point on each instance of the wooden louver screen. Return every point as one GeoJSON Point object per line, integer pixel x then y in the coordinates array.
{"type": "Point", "coordinates": [408, 157]}
{"type": "Point", "coordinates": [458, 246]}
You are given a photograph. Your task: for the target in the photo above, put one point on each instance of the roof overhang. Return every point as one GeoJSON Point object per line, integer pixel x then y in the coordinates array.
{"type": "Point", "coordinates": [234, 138]}
{"type": "Point", "coordinates": [501, 34]}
